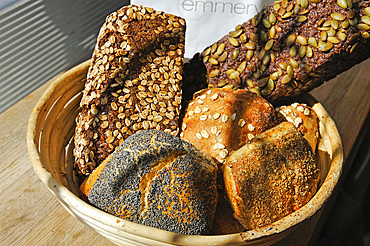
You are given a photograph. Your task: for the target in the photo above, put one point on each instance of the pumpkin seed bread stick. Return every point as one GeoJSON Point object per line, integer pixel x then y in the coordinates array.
{"type": "Point", "coordinates": [291, 47]}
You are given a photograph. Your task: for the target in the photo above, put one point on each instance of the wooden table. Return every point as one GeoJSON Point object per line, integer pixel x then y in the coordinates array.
{"type": "Point", "coordinates": [31, 215]}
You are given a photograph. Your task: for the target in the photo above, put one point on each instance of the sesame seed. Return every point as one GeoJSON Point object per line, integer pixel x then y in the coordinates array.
{"type": "Point", "coordinates": [214, 129]}
{"type": "Point", "coordinates": [203, 117]}
{"type": "Point", "coordinates": [198, 135]}
{"type": "Point", "coordinates": [224, 118]}
{"type": "Point", "coordinates": [250, 136]}
{"type": "Point", "coordinates": [233, 116]}
{"type": "Point", "coordinates": [250, 127]}
{"type": "Point", "coordinates": [197, 110]}
{"type": "Point", "coordinates": [216, 116]}
{"type": "Point", "coordinates": [306, 111]}
{"type": "Point", "coordinates": [204, 134]}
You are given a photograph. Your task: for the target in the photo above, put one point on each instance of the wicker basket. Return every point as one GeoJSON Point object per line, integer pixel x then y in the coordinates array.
{"type": "Point", "coordinates": [50, 130]}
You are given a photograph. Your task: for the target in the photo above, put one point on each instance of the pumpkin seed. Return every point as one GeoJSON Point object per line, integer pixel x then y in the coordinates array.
{"type": "Point", "coordinates": [214, 73]}
{"type": "Point", "coordinates": [293, 51]}
{"type": "Point", "coordinates": [293, 63]}
{"type": "Point", "coordinates": [266, 59]}
{"type": "Point", "coordinates": [274, 76]}
{"type": "Point", "coordinates": [342, 3]}
{"type": "Point", "coordinates": [309, 52]}
{"type": "Point", "coordinates": [263, 36]}
{"type": "Point", "coordinates": [335, 24]}
{"type": "Point", "coordinates": [353, 22]}
{"type": "Point", "coordinates": [363, 27]}
{"type": "Point", "coordinates": [354, 37]}
{"type": "Point", "coordinates": [238, 27]}
{"type": "Point", "coordinates": [287, 15]}
{"type": "Point", "coordinates": [304, 11]}
{"type": "Point", "coordinates": [297, 9]}
{"type": "Point", "coordinates": [206, 52]}
{"type": "Point", "coordinates": [214, 48]}
{"type": "Point", "coordinates": [286, 79]}
{"type": "Point", "coordinates": [266, 91]}
{"type": "Point", "coordinates": [253, 37]}
{"type": "Point", "coordinates": [331, 32]}
{"type": "Point", "coordinates": [305, 67]}
{"type": "Point", "coordinates": [220, 49]}
{"type": "Point", "coordinates": [242, 66]}
{"type": "Point", "coordinates": [250, 46]}
{"type": "Point", "coordinates": [213, 61]}
{"type": "Point", "coordinates": [276, 6]}
{"type": "Point", "coordinates": [302, 51]}
{"type": "Point", "coordinates": [326, 47]}
{"type": "Point", "coordinates": [304, 3]}
{"type": "Point", "coordinates": [272, 32]}
{"type": "Point", "coordinates": [365, 19]}
{"type": "Point", "coordinates": [345, 24]}
{"type": "Point", "coordinates": [222, 83]}
{"type": "Point", "coordinates": [272, 18]}
{"type": "Point", "coordinates": [290, 40]}
{"type": "Point", "coordinates": [256, 91]}
{"type": "Point", "coordinates": [249, 83]}
{"type": "Point", "coordinates": [234, 42]}
{"type": "Point", "coordinates": [223, 57]}
{"type": "Point", "coordinates": [270, 85]}
{"type": "Point", "coordinates": [235, 54]}
{"type": "Point", "coordinates": [312, 41]}
{"type": "Point", "coordinates": [269, 44]}
{"type": "Point", "coordinates": [333, 40]}
{"type": "Point", "coordinates": [367, 11]}
{"type": "Point", "coordinates": [300, 18]}
{"type": "Point", "coordinates": [262, 82]}
{"type": "Point", "coordinates": [237, 33]}
{"type": "Point", "coordinates": [205, 59]}
{"type": "Point", "coordinates": [243, 38]}
{"type": "Point", "coordinates": [266, 23]}
{"type": "Point", "coordinates": [250, 54]}
{"type": "Point", "coordinates": [351, 14]}
{"type": "Point", "coordinates": [301, 40]}
{"type": "Point", "coordinates": [262, 54]}
{"type": "Point", "coordinates": [337, 16]}
{"type": "Point", "coordinates": [230, 71]}
{"type": "Point", "coordinates": [349, 3]}
{"type": "Point", "coordinates": [290, 71]}
{"type": "Point", "coordinates": [323, 35]}
{"type": "Point", "coordinates": [341, 35]}
{"type": "Point", "coordinates": [283, 65]}
{"type": "Point", "coordinates": [365, 34]}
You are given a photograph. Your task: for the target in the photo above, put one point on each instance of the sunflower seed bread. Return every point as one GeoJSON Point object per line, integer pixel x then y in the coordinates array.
{"type": "Point", "coordinates": [134, 82]}
{"type": "Point", "coordinates": [291, 47]}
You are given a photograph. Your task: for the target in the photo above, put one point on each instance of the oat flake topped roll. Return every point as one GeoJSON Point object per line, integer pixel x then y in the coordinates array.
{"type": "Point", "coordinates": [134, 82]}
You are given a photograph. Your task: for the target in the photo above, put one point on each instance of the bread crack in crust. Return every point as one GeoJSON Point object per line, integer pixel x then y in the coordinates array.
{"type": "Point", "coordinates": [134, 82]}
{"type": "Point", "coordinates": [158, 180]}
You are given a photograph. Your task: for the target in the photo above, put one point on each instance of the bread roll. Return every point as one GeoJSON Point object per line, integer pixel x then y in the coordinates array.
{"type": "Point", "coordinates": [221, 120]}
{"type": "Point", "coordinates": [158, 180]}
{"type": "Point", "coordinates": [134, 82]}
{"type": "Point", "coordinates": [305, 119]}
{"type": "Point", "coordinates": [270, 177]}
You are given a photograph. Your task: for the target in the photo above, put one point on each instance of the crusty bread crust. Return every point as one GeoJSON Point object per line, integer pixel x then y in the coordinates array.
{"type": "Point", "coordinates": [271, 177]}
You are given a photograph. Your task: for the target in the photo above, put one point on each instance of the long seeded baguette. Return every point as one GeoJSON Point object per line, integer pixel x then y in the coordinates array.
{"type": "Point", "coordinates": [291, 47]}
{"type": "Point", "coordinates": [134, 82]}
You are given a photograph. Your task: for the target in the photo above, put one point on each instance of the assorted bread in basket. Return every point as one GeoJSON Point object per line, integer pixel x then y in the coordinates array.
{"type": "Point", "coordinates": [206, 147]}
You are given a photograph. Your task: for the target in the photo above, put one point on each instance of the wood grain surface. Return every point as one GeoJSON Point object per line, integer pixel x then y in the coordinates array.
{"type": "Point", "coordinates": [31, 215]}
